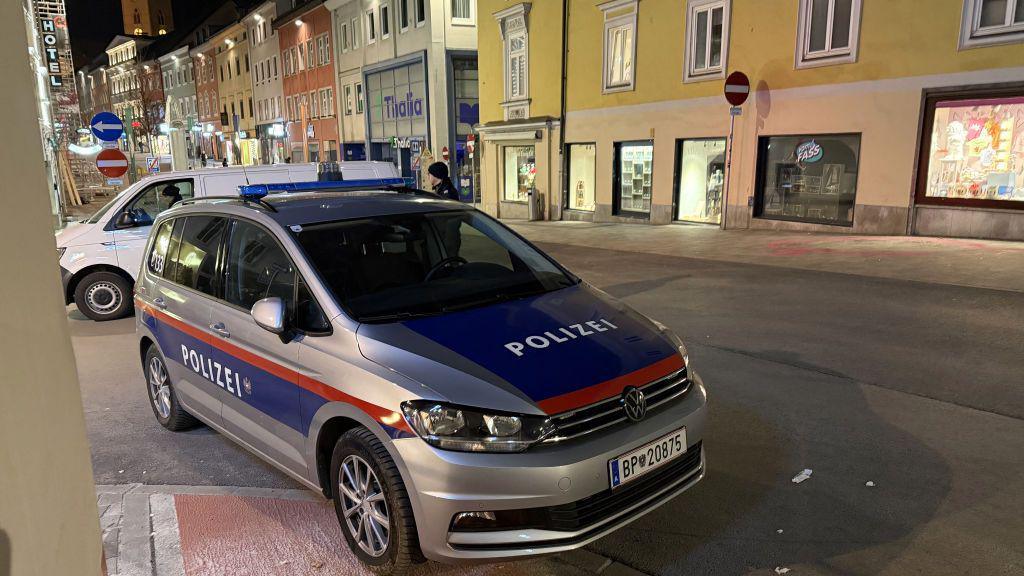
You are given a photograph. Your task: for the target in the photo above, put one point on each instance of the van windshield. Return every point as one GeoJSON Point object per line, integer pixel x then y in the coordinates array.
{"type": "Point", "coordinates": [395, 267]}
{"type": "Point", "coordinates": [98, 215]}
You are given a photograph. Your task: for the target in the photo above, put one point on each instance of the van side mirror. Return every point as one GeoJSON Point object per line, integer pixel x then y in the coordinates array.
{"type": "Point", "coordinates": [269, 314]}
{"type": "Point", "coordinates": [125, 220]}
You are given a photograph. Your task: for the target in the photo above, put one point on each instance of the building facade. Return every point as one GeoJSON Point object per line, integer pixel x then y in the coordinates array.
{"type": "Point", "coordinates": [407, 81]}
{"type": "Point", "coordinates": [147, 17]}
{"type": "Point", "coordinates": [234, 87]}
{"type": "Point", "coordinates": [875, 118]}
{"type": "Point", "coordinates": [308, 80]}
{"type": "Point", "coordinates": [267, 89]}
{"type": "Point", "coordinates": [204, 64]}
{"type": "Point", "coordinates": [181, 123]}
{"type": "Point", "coordinates": [125, 80]}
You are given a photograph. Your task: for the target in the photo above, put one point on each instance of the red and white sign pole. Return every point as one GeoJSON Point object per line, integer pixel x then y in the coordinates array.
{"type": "Point", "coordinates": [737, 88]}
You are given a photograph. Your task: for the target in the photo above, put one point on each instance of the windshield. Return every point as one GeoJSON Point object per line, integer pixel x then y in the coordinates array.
{"type": "Point", "coordinates": [395, 267]}
{"type": "Point", "coordinates": [106, 208]}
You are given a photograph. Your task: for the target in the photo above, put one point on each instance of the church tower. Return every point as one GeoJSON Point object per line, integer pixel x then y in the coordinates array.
{"type": "Point", "coordinates": [147, 17]}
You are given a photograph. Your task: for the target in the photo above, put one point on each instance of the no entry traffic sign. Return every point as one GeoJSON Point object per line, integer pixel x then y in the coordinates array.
{"type": "Point", "coordinates": [737, 88]}
{"type": "Point", "coordinates": [107, 126]}
{"type": "Point", "coordinates": [112, 163]}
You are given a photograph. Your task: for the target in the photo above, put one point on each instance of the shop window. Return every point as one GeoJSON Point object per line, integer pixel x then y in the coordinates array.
{"type": "Point", "coordinates": [808, 178]}
{"type": "Point", "coordinates": [520, 172]}
{"type": "Point", "coordinates": [619, 44]}
{"type": "Point", "coordinates": [634, 170]}
{"type": "Point", "coordinates": [707, 30]}
{"type": "Point", "coordinates": [976, 152]}
{"type": "Point", "coordinates": [700, 178]}
{"type": "Point", "coordinates": [987, 22]}
{"type": "Point", "coordinates": [359, 98]}
{"type": "Point", "coordinates": [330, 151]}
{"type": "Point", "coordinates": [582, 176]}
{"type": "Point", "coordinates": [348, 100]}
{"type": "Point", "coordinates": [827, 32]}
{"type": "Point", "coordinates": [462, 12]}
{"type": "Point", "coordinates": [314, 151]}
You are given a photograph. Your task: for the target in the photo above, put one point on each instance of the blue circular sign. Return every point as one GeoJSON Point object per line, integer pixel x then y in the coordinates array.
{"type": "Point", "coordinates": [107, 126]}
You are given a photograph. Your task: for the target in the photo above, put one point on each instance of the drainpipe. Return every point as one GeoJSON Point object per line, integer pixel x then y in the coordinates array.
{"type": "Point", "coordinates": [561, 118]}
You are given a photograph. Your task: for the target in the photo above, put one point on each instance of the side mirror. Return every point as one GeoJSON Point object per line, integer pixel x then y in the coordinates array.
{"type": "Point", "coordinates": [125, 220]}
{"type": "Point", "coordinates": [269, 314]}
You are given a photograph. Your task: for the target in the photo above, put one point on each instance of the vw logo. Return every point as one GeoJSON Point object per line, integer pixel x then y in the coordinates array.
{"type": "Point", "coordinates": [635, 404]}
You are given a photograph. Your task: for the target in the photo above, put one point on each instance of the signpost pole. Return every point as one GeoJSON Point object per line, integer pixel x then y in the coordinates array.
{"type": "Point", "coordinates": [737, 88]}
{"type": "Point", "coordinates": [728, 167]}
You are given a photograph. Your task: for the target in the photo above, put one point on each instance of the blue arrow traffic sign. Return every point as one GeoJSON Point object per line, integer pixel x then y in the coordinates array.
{"type": "Point", "coordinates": [107, 126]}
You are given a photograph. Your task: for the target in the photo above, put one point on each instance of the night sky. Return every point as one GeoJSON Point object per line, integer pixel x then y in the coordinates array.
{"type": "Point", "coordinates": [93, 23]}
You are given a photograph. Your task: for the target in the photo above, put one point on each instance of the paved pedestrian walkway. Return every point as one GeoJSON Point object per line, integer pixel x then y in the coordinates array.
{"type": "Point", "coordinates": [221, 531]}
{"type": "Point", "coordinates": [964, 262]}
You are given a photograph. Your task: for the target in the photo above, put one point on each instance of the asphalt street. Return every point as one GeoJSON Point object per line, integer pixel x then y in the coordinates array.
{"type": "Point", "coordinates": [904, 398]}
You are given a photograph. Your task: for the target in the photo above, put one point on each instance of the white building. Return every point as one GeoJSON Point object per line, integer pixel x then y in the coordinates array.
{"type": "Point", "coordinates": [407, 79]}
{"type": "Point", "coordinates": [267, 90]}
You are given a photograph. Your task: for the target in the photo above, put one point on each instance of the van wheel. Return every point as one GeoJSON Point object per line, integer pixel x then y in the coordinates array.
{"type": "Point", "coordinates": [162, 398]}
{"type": "Point", "coordinates": [372, 504]}
{"type": "Point", "coordinates": [104, 296]}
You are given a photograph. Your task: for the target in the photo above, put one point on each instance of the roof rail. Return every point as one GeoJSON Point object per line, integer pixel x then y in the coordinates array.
{"type": "Point", "coordinates": [243, 199]}
{"type": "Point", "coordinates": [254, 191]}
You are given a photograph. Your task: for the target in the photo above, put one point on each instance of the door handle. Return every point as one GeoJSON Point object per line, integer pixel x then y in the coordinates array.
{"type": "Point", "coordinates": [160, 303]}
{"type": "Point", "coordinates": [220, 329]}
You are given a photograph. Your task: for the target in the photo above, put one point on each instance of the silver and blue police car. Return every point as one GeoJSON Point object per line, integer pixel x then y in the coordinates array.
{"type": "Point", "coordinates": [457, 393]}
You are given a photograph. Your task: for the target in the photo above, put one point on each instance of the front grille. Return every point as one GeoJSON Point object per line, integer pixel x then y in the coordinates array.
{"type": "Point", "coordinates": [587, 515]}
{"type": "Point", "coordinates": [609, 412]}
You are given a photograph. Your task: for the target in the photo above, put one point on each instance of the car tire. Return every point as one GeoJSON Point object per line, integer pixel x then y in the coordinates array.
{"type": "Point", "coordinates": [162, 398]}
{"type": "Point", "coordinates": [104, 296]}
{"type": "Point", "coordinates": [401, 549]}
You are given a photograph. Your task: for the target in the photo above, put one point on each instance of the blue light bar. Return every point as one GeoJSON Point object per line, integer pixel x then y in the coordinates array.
{"type": "Point", "coordinates": [257, 191]}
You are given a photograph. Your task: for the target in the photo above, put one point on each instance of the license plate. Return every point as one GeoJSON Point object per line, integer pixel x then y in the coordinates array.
{"type": "Point", "coordinates": [650, 456]}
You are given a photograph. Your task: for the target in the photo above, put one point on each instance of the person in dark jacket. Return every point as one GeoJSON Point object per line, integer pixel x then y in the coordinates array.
{"type": "Point", "coordinates": [437, 174]}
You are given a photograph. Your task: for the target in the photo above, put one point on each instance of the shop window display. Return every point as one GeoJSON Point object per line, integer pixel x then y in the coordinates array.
{"type": "Point", "coordinates": [520, 172]}
{"type": "Point", "coordinates": [808, 178]}
{"type": "Point", "coordinates": [701, 173]}
{"type": "Point", "coordinates": [977, 150]}
{"type": "Point", "coordinates": [582, 175]}
{"type": "Point", "coordinates": [634, 171]}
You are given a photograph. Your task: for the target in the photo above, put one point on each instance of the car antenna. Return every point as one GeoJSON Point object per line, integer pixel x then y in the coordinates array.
{"type": "Point", "coordinates": [244, 173]}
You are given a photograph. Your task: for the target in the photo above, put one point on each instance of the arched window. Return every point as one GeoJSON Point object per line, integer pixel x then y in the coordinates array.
{"type": "Point", "coordinates": [136, 18]}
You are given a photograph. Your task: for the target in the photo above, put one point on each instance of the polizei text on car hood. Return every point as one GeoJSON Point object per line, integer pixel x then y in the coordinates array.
{"type": "Point", "coordinates": [542, 354]}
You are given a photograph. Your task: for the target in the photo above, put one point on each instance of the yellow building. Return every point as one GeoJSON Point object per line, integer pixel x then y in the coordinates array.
{"type": "Point", "coordinates": [870, 117]}
{"type": "Point", "coordinates": [234, 87]}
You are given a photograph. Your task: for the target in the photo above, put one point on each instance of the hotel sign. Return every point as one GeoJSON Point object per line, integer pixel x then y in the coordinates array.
{"type": "Point", "coordinates": [49, 30]}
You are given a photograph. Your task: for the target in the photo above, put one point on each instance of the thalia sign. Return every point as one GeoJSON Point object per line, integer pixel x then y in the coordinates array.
{"type": "Point", "coordinates": [410, 107]}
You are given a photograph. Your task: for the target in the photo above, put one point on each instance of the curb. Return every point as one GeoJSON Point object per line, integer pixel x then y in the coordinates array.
{"type": "Point", "coordinates": [141, 532]}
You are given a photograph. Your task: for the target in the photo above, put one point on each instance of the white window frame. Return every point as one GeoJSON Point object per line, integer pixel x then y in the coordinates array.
{"type": "Point", "coordinates": [513, 23]}
{"type": "Point", "coordinates": [972, 35]}
{"type": "Point", "coordinates": [344, 37]}
{"type": "Point", "coordinates": [830, 56]}
{"type": "Point", "coordinates": [416, 7]}
{"type": "Point", "coordinates": [616, 17]}
{"type": "Point", "coordinates": [348, 99]}
{"type": "Point", "coordinates": [385, 20]}
{"type": "Point", "coordinates": [371, 26]}
{"type": "Point", "coordinates": [402, 6]}
{"type": "Point", "coordinates": [470, 21]}
{"type": "Point", "coordinates": [359, 98]}
{"type": "Point", "coordinates": [314, 104]}
{"type": "Point", "coordinates": [690, 72]}
{"type": "Point", "coordinates": [323, 49]}
{"type": "Point", "coordinates": [356, 33]}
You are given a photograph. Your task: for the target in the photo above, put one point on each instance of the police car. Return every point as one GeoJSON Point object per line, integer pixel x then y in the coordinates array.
{"type": "Point", "coordinates": [457, 393]}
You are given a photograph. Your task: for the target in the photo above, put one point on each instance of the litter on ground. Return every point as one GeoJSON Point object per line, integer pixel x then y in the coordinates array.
{"type": "Point", "coordinates": [802, 476]}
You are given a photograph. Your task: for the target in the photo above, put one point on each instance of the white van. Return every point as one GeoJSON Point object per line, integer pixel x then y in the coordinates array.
{"type": "Point", "coordinates": [101, 255]}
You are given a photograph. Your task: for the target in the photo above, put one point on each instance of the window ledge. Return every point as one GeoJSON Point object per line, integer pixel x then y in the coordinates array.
{"type": "Point", "coordinates": [982, 41]}
{"type": "Point", "coordinates": [614, 89]}
{"type": "Point", "coordinates": [818, 62]}
{"type": "Point", "coordinates": [689, 78]}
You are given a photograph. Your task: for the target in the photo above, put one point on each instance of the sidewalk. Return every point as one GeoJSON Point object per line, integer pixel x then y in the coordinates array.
{"type": "Point", "coordinates": [222, 531]}
{"type": "Point", "coordinates": [976, 263]}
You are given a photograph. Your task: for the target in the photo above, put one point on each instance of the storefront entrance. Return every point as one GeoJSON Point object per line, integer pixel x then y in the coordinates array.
{"type": "Point", "coordinates": [700, 180]}
{"type": "Point", "coordinates": [397, 114]}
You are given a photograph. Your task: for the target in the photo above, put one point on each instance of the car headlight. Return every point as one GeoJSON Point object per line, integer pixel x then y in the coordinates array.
{"type": "Point", "coordinates": [473, 430]}
{"type": "Point", "coordinates": [60, 252]}
{"type": "Point", "coordinates": [676, 340]}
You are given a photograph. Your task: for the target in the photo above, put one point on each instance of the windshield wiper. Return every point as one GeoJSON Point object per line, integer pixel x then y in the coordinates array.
{"type": "Point", "coordinates": [397, 316]}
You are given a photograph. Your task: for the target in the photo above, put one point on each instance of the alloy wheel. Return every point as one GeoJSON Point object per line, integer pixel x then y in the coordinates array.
{"type": "Point", "coordinates": [159, 387]}
{"type": "Point", "coordinates": [364, 506]}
